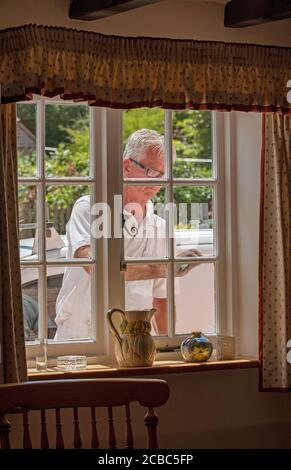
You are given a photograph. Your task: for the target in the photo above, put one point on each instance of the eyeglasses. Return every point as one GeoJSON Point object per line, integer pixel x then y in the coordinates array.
{"type": "Point", "coordinates": [150, 172]}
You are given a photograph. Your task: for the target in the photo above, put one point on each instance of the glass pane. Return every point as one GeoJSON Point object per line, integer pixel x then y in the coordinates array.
{"type": "Point", "coordinates": [26, 139]}
{"type": "Point", "coordinates": [69, 303]}
{"type": "Point", "coordinates": [66, 140]}
{"type": "Point", "coordinates": [144, 224]}
{"type": "Point", "coordinates": [68, 221]}
{"type": "Point", "coordinates": [194, 231]}
{"type": "Point", "coordinates": [143, 155]}
{"type": "Point", "coordinates": [194, 298]}
{"type": "Point", "coordinates": [192, 136]}
{"type": "Point", "coordinates": [30, 302]}
{"type": "Point", "coordinates": [145, 288]}
{"type": "Point", "coordinates": [27, 200]}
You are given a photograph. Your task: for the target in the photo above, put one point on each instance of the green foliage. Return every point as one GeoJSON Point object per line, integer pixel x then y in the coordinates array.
{"type": "Point", "coordinates": [67, 133]}
{"type": "Point", "coordinates": [61, 117]}
{"type": "Point", "coordinates": [143, 118]}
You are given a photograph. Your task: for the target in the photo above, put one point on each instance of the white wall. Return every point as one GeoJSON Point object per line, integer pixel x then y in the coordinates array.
{"type": "Point", "coordinates": [209, 409]}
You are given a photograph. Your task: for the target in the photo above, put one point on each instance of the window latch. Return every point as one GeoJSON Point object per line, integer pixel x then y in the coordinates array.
{"type": "Point", "coordinates": [123, 266]}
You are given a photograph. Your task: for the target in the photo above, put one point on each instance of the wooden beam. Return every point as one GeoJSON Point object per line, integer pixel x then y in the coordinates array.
{"type": "Point", "coordinates": [89, 10]}
{"type": "Point", "coordinates": [242, 13]}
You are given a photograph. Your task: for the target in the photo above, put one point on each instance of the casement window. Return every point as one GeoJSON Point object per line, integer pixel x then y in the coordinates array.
{"type": "Point", "coordinates": [69, 151]}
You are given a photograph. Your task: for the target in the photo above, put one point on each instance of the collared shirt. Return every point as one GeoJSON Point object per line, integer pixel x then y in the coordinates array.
{"type": "Point", "coordinates": [148, 242]}
{"type": "Point", "coordinates": [73, 305]}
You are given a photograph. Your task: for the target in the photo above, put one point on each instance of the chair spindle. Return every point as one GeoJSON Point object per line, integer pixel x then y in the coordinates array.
{"type": "Point", "coordinates": [5, 428]}
{"type": "Point", "coordinates": [129, 433]}
{"type": "Point", "coordinates": [59, 436]}
{"type": "Point", "coordinates": [151, 421]}
{"type": "Point", "coordinates": [77, 435]}
{"type": "Point", "coordinates": [112, 437]}
{"type": "Point", "coordinates": [94, 436]}
{"type": "Point", "coordinates": [44, 442]}
{"type": "Point", "coordinates": [26, 433]}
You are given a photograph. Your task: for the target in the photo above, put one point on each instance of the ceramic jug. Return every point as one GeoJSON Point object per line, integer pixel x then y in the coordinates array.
{"type": "Point", "coordinates": [134, 347]}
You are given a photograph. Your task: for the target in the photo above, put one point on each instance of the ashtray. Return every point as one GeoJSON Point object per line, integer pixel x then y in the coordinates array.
{"type": "Point", "coordinates": [69, 363]}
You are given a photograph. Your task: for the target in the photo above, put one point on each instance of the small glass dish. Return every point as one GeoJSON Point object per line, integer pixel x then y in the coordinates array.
{"type": "Point", "coordinates": [69, 363]}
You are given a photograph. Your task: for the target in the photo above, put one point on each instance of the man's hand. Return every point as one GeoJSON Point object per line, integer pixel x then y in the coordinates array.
{"type": "Point", "coordinates": [140, 272]}
{"type": "Point", "coordinates": [84, 252]}
{"type": "Point", "coordinates": [190, 253]}
{"type": "Point", "coordinates": [186, 268]}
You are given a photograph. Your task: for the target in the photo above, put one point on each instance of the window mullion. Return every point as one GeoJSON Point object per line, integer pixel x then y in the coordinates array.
{"type": "Point", "coordinates": [112, 151]}
{"type": "Point", "coordinates": [41, 217]}
{"type": "Point", "coordinates": [219, 223]}
{"type": "Point", "coordinates": [170, 222]}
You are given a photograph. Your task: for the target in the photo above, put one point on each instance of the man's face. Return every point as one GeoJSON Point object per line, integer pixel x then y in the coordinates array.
{"type": "Point", "coordinates": [150, 158]}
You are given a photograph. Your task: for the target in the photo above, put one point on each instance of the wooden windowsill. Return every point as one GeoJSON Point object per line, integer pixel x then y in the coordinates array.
{"type": "Point", "coordinates": [159, 368]}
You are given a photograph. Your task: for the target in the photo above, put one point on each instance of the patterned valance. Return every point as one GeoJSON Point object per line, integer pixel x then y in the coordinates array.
{"type": "Point", "coordinates": [124, 72]}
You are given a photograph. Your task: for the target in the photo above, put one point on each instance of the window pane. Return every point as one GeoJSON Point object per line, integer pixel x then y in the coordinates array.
{"type": "Point", "coordinates": [192, 136]}
{"type": "Point", "coordinates": [69, 303]}
{"type": "Point", "coordinates": [144, 223]}
{"type": "Point", "coordinates": [68, 220]}
{"type": "Point", "coordinates": [194, 298]}
{"type": "Point", "coordinates": [66, 140]}
{"type": "Point", "coordinates": [145, 288]}
{"type": "Point", "coordinates": [194, 231]}
{"type": "Point", "coordinates": [30, 302]}
{"type": "Point", "coordinates": [26, 139]}
{"type": "Point", "coordinates": [27, 200]}
{"type": "Point", "coordinates": [143, 155]}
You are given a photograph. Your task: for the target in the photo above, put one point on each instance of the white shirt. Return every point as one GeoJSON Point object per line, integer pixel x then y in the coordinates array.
{"type": "Point", "coordinates": [73, 304]}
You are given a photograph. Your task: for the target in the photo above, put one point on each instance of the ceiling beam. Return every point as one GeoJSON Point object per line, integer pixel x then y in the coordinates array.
{"type": "Point", "coordinates": [242, 13]}
{"type": "Point", "coordinates": [89, 10]}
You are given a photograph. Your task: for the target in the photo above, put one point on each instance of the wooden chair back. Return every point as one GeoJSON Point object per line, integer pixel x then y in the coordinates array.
{"type": "Point", "coordinates": [92, 393]}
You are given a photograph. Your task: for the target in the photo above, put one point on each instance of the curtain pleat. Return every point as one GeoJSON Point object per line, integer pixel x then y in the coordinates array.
{"type": "Point", "coordinates": [124, 72]}
{"type": "Point", "coordinates": [13, 362]}
{"type": "Point", "coordinates": [275, 253]}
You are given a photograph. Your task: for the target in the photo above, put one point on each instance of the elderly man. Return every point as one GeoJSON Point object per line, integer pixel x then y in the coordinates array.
{"type": "Point", "coordinates": [145, 285]}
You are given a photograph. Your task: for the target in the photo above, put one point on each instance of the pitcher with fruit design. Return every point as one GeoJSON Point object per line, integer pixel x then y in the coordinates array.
{"type": "Point", "coordinates": [134, 346]}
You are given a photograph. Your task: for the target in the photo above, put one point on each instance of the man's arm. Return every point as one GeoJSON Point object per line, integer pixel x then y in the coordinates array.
{"type": "Point", "coordinates": [160, 319]}
{"type": "Point", "coordinates": [84, 252]}
{"type": "Point", "coordinates": [142, 272]}
{"type": "Point", "coordinates": [79, 230]}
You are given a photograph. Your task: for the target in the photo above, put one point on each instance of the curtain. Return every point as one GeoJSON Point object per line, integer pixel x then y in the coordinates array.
{"type": "Point", "coordinates": [124, 72]}
{"type": "Point", "coordinates": [275, 253]}
{"type": "Point", "coordinates": [13, 363]}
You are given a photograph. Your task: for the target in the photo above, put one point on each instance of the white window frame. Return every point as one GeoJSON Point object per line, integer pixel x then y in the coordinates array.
{"type": "Point", "coordinates": [98, 345]}
{"type": "Point", "coordinates": [108, 279]}
{"type": "Point", "coordinates": [223, 316]}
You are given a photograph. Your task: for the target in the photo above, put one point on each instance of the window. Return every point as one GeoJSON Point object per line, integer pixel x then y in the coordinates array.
{"type": "Point", "coordinates": [188, 197]}
{"type": "Point", "coordinates": [68, 163]}
{"type": "Point", "coordinates": [56, 169]}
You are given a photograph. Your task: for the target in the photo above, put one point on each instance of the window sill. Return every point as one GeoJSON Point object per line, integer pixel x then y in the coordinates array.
{"type": "Point", "coordinates": [159, 368]}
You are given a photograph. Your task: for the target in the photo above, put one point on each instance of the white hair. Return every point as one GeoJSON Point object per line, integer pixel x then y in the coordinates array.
{"type": "Point", "coordinates": [141, 140]}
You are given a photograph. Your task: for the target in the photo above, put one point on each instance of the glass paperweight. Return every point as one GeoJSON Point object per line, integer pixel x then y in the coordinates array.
{"type": "Point", "coordinates": [69, 363]}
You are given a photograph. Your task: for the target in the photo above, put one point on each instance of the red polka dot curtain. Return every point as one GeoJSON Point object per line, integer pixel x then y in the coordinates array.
{"type": "Point", "coordinates": [275, 253]}
{"type": "Point", "coordinates": [13, 363]}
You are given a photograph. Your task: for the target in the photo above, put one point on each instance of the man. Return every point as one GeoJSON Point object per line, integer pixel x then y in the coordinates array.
{"type": "Point", "coordinates": [144, 237]}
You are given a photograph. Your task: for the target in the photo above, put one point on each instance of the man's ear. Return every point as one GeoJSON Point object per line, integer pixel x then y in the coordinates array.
{"type": "Point", "coordinates": [126, 166]}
